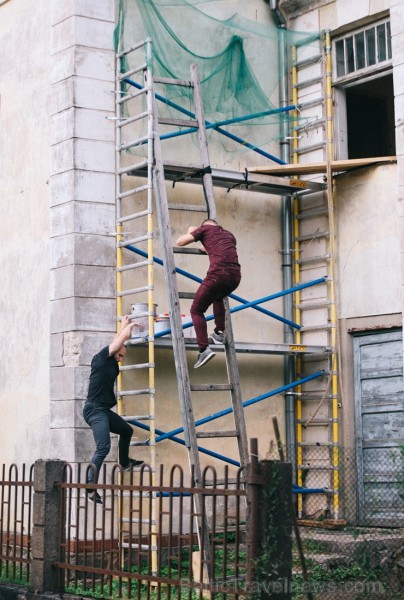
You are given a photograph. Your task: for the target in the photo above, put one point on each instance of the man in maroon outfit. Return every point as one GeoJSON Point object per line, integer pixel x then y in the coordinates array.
{"type": "Point", "coordinates": [222, 278]}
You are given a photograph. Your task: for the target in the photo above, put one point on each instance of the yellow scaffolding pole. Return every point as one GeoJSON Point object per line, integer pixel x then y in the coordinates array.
{"type": "Point", "coordinates": [333, 316]}
{"type": "Point", "coordinates": [149, 225]}
{"type": "Point", "coordinates": [296, 269]}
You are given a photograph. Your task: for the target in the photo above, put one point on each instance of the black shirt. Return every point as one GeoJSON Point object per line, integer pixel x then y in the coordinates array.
{"type": "Point", "coordinates": [104, 371]}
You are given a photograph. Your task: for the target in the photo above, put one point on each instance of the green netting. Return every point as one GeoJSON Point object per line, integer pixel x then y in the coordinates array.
{"type": "Point", "coordinates": [238, 61]}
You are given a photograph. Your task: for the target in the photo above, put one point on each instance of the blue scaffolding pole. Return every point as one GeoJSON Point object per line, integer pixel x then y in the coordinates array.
{"type": "Point", "coordinates": [229, 410]}
{"type": "Point", "coordinates": [208, 124]}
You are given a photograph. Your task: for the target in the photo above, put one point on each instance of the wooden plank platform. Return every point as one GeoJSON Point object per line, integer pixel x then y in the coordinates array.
{"type": "Point", "coordinates": [321, 167]}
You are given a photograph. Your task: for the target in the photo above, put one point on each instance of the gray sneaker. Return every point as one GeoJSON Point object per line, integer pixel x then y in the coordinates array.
{"type": "Point", "coordinates": [218, 338]}
{"type": "Point", "coordinates": [203, 357]}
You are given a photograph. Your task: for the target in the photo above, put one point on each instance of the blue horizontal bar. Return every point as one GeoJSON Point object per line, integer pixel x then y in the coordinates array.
{"type": "Point", "coordinates": [229, 410]}
{"type": "Point", "coordinates": [199, 280]}
{"type": "Point", "coordinates": [231, 461]}
{"type": "Point", "coordinates": [219, 129]}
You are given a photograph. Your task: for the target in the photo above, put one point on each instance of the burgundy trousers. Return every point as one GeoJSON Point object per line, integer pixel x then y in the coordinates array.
{"type": "Point", "coordinates": [213, 289]}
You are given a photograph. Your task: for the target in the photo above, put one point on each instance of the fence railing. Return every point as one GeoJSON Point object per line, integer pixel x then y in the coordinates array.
{"type": "Point", "coordinates": [144, 538]}
{"type": "Point", "coordinates": [16, 491]}
{"type": "Point", "coordinates": [144, 535]}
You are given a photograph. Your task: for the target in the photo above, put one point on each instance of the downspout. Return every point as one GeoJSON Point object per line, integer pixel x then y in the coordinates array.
{"type": "Point", "coordinates": [286, 224]}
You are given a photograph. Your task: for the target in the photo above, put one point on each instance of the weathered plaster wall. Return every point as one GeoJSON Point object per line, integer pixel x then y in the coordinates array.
{"type": "Point", "coordinates": [58, 254]}
{"type": "Point", "coordinates": [368, 242]}
{"type": "Point", "coordinates": [25, 66]}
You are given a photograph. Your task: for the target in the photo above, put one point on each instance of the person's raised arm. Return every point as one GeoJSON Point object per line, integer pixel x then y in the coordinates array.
{"type": "Point", "coordinates": [122, 335]}
{"type": "Point", "coordinates": [186, 238]}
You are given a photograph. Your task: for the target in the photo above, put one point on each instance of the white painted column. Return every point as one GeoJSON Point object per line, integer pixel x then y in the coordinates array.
{"type": "Point", "coordinates": [82, 210]}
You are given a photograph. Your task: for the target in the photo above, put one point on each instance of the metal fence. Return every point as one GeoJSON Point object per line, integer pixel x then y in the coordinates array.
{"type": "Point", "coordinates": [146, 535]}
{"type": "Point", "coordinates": [16, 491]}
{"type": "Point", "coordinates": [144, 540]}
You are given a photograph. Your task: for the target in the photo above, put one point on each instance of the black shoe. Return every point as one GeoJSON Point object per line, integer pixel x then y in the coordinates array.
{"type": "Point", "coordinates": [132, 464]}
{"type": "Point", "coordinates": [94, 497]}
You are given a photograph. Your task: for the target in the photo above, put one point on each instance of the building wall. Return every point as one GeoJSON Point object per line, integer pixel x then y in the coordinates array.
{"type": "Point", "coordinates": [58, 301]}
{"type": "Point", "coordinates": [58, 254]}
{"type": "Point", "coordinates": [25, 69]}
{"type": "Point", "coordinates": [367, 203]}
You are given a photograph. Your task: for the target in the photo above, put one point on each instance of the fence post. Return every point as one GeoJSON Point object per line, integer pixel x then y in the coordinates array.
{"type": "Point", "coordinates": [48, 515]}
{"type": "Point", "coordinates": [270, 530]}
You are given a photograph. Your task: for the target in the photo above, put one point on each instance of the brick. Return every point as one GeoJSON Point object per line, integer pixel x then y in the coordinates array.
{"type": "Point", "coordinates": [87, 8]}
{"type": "Point", "coordinates": [68, 383]}
{"type": "Point", "coordinates": [82, 249]}
{"type": "Point", "coordinates": [87, 186]}
{"type": "Point", "coordinates": [88, 217]}
{"type": "Point", "coordinates": [88, 314]}
{"type": "Point", "coordinates": [84, 62]}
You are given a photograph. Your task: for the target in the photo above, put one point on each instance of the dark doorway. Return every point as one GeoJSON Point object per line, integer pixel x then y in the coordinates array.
{"type": "Point", "coordinates": [370, 118]}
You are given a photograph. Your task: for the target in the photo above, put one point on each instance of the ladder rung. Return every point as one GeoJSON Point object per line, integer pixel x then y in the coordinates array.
{"type": "Point", "coordinates": [148, 365]}
{"type": "Point", "coordinates": [131, 120]}
{"type": "Point", "coordinates": [169, 81]}
{"type": "Point", "coordinates": [301, 64]}
{"type": "Point", "coordinates": [312, 148]}
{"type": "Point", "coordinates": [323, 327]}
{"type": "Point", "coordinates": [211, 387]}
{"type": "Point", "coordinates": [314, 396]}
{"type": "Point", "coordinates": [311, 103]}
{"type": "Point", "coordinates": [122, 76]}
{"type": "Point", "coordinates": [188, 295]}
{"type": "Point", "coordinates": [138, 417]}
{"type": "Point", "coordinates": [178, 122]}
{"type": "Point", "coordinates": [134, 167]}
{"type": "Point", "coordinates": [145, 288]}
{"type": "Point", "coordinates": [311, 125]}
{"type": "Point", "coordinates": [141, 238]}
{"type": "Point", "coordinates": [133, 191]}
{"type": "Point", "coordinates": [131, 49]}
{"type": "Point", "coordinates": [124, 393]}
{"type": "Point", "coordinates": [136, 142]}
{"type": "Point", "coordinates": [317, 468]}
{"type": "Point", "coordinates": [312, 236]}
{"type": "Point", "coordinates": [137, 215]}
{"type": "Point", "coordinates": [216, 434]}
{"type": "Point", "coordinates": [132, 96]}
{"type": "Point", "coordinates": [315, 444]}
{"type": "Point", "coordinates": [313, 305]}
{"type": "Point", "coordinates": [305, 261]}
{"type": "Point", "coordinates": [305, 84]}
{"type": "Point", "coordinates": [316, 422]}
{"type": "Point", "coordinates": [138, 265]}
{"type": "Point", "coordinates": [182, 250]}
{"type": "Point", "coordinates": [313, 212]}
{"type": "Point", "coordinates": [189, 207]}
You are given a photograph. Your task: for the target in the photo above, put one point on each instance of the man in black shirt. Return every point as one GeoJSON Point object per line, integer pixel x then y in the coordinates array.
{"type": "Point", "coordinates": [100, 400]}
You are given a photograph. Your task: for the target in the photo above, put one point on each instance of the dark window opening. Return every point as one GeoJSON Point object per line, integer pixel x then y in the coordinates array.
{"type": "Point", "coordinates": [370, 118]}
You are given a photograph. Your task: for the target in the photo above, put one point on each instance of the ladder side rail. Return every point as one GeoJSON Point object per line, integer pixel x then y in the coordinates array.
{"type": "Point", "coordinates": [181, 365]}
{"type": "Point", "coordinates": [203, 144]}
{"type": "Point", "coordinates": [175, 312]}
{"type": "Point", "coordinates": [236, 396]}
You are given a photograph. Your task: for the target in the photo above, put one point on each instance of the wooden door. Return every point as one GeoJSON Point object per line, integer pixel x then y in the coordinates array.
{"type": "Point", "coordinates": [379, 425]}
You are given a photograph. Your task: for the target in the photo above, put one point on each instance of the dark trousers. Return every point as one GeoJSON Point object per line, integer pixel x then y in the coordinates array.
{"type": "Point", "coordinates": [104, 421]}
{"type": "Point", "coordinates": [213, 289]}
